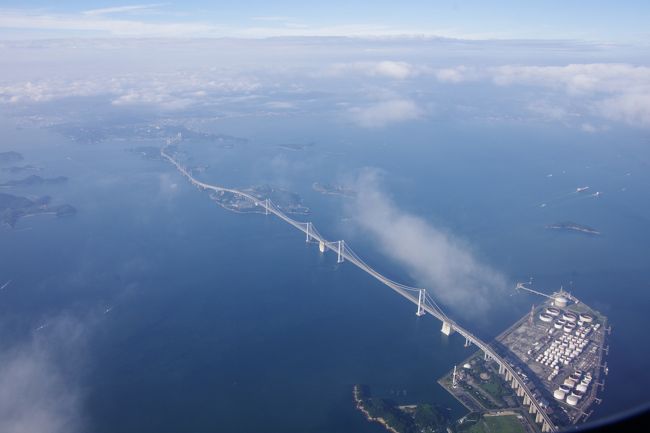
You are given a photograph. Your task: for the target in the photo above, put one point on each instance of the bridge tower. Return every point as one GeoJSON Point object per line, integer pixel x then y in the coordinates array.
{"type": "Point", "coordinates": [447, 329]}
{"type": "Point", "coordinates": [308, 230]}
{"type": "Point", "coordinates": [421, 299]}
{"type": "Point", "coordinates": [267, 204]}
{"type": "Point", "coordinates": [340, 247]}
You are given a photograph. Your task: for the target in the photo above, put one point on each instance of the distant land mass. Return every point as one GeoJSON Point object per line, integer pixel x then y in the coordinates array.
{"type": "Point", "coordinates": [294, 147]}
{"type": "Point", "coordinates": [571, 226]}
{"type": "Point", "coordinates": [142, 131]}
{"type": "Point", "coordinates": [20, 168]}
{"type": "Point", "coordinates": [326, 188]}
{"type": "Point", "coordinates": [10, 157]}
{"type": "Point", "coordinates": [13, 207]}
{"type": "Point", "coordinates": [36, 180]}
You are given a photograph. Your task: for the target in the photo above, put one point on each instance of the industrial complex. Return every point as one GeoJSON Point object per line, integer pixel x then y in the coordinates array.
{"type": "Point", "coordinates": [557, 351]}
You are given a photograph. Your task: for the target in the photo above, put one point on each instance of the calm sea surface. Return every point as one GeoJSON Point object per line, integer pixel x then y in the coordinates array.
{"type": "Point", "coordinates": [227, 322]}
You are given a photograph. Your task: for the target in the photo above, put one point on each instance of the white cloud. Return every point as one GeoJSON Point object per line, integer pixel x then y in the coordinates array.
{"type": "Point", "coordinates": [168, 91]}
{"type": "Point", "coordinates": [386, 68]}
{"type": "Point", "coordinates": [122, 9]}
{"type": "Point", "coordinates": [385, 113]}
{"type": "Point", "coordinates": [97, 23]}
{"type": "Point", "coordinates": [618, 92]}
{"type": "Point", "coordinates": [455, 74]}
{"type": "Point", "coordinates": [615, 91]}
{"type": "Point", "coordinates": [36, 392]}
{"type": "Point", "coordinates": [438, 260]}
{"type": "Point", "coordinates": [630, 107]}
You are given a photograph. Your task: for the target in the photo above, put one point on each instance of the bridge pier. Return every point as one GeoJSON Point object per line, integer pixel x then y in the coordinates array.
{"type": "Point", "coordinates": [341, 245]}
{"type": "Point", "coordinates": [467, 342]}
{"type": "Point", "coordinates": [514, 384]}
{"type": "Point", "coordinates": [502, 369]}
{"type": "Point", "coordinates": [421, 300]}
{"type": "Point", "coordinates": [267, 204]}
{"type": "Point", "coordinates": [447, 329]}
{"type": "Point", "coordinates": [321, 246]}
{"type": "Point", "coordinates": [526, 400]}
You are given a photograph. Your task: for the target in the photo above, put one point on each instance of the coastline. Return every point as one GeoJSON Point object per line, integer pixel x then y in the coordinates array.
{"type": "Point", "coordinates": [359, 404]}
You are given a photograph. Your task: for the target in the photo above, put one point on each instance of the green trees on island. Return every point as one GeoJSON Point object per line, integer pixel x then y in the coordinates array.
{"type": "Point", "coordinates": [425, 418]}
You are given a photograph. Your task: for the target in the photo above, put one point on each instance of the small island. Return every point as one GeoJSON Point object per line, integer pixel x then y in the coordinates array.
{"type": "Point", "coordinates": [420, 418]}
{"type": "Point", "coordinates": [289, 202]}
{"type": "Point", "coordinates": [35, 180]}
{"type": "Point", "coordinates": [571, 226]}
{"type": "Point", "coordinates": [15, 169]}
{"type": "Point", "coordinates": [10, 157]}
{"type": "Point", "coordinates": [293, 147]}
{"type": "Point", "coordinates": [13, 208]}
{"type": "Point", "coordinates": [326, 188]}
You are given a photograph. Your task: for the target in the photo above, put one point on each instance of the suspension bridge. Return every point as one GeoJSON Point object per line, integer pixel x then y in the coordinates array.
{"type": "Point", "coordinates": [419, 296]}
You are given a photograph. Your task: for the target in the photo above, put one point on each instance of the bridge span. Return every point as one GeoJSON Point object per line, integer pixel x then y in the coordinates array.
{"type": "Point", "coordinates": [419, 296]}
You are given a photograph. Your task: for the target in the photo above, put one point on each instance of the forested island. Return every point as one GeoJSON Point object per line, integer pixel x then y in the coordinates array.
{"type": "Point", "coordinates": [326, 188]}
{"type": "Point", "coordinates": [20, 168]}
{"type": "Point", "coordinates": [35, 180]}
{"type": "Point", "coordinates": [420, 418]}
{"type": "Point", "coordinates": [13, 207]}
{"type": "Point", "coordinates": [10, 157]}
{"type": "Point", "coordinates": [289, 202]}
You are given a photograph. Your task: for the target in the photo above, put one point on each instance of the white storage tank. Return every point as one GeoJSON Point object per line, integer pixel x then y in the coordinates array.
{"type": "Point", "coordinates": [553, 311]}
{"type": "Point", "coordinates": [572, 400]}
{"type": "Point", "coordinates": [587, 318]}
{"type": "Point", "coordinates": [581, 387]}
{"type": "Point", "coordinates": [559, 394]}
{"type": "Point", "coordinates": [569, 382]}
{"type": "Point", "coordinates": [570, 317]}
{"type": "Point", "coordinates": [545, 317]}
{"type": "Point", "coordinates": [560, 301]}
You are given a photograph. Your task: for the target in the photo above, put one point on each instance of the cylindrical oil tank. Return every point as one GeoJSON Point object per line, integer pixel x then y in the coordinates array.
{"type": "Point", "coordinates": [569, 382]}
{"type": "Point", "coordinates": [587, 318]}
{"type": "Point", "coordinates": [572, 400]}
{"type": "Point", "coordinates": [559, 394]}
{"type": "Point", "coordinates": [545, 317]}
{"type": "Point", "coordinates": [560, 301]}
{"type": "Point", "coordinates": [553, 311]}
{"type": "Point", "coordinates": [569, 317]}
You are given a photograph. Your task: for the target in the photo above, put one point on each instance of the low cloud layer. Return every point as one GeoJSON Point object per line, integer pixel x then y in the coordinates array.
{"type": "Point", "coordinates": [437, 259]}
{"type": "Point", "coordinates": [374, 83]}
{"type": "Point", "coordinates": [385, 113]}
{"type": "Point", "coordinates": [385, 68]}
{"type": "Point", "coordinates": [37, 393]}
{"type": "Point", "coordinates": [613, 91]}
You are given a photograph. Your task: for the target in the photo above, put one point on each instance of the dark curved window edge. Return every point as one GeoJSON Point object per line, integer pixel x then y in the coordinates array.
{"type": "Point", "coordinates": [634, 420]}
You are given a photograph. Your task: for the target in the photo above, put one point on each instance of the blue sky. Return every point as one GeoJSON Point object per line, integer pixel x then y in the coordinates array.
{"type": "Point", "coordinates": [603, 21]}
